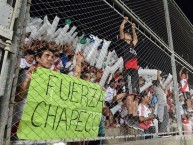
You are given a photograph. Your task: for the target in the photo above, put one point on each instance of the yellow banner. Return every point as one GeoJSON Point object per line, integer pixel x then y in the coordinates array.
{"type": "Point", "coordinates": [59, 106]}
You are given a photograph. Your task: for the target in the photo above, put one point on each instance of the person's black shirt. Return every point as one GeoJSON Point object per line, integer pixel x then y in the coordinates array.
{"type": "Point", "coordinates": [125, 50]}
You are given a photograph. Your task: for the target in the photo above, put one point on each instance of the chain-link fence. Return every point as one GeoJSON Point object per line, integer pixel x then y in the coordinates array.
{"type": "Point", "coordinates": [95, 72]}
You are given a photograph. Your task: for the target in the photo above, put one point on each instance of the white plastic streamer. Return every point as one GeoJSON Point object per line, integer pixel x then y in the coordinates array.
{"type": "Point", "coordinates": [86, 44]}
{"type": "Point", "coordinates": [117, 65]}
{"type": "Point", "coordinates": [73, 37]}
{"type": "Point", "coordinates": [105, 75]}
{"type": "Point", "coordinates": [57, 32]}
{"type": "Point", "coordinates": [191, 92]}
{"type": "Point", "coordinates": [75, 43]}
{"type": "Point", "coordinates": [171, 85]}
{"type": "Point", "coordinates": [110, 78]}
{"type": "Point", "coordinates": [42, 30]}
{"type": "Point", "coordinates": [112, 70]}
{"type": "Point", "coordinates": [121, 66]}
{"type": "Point", "coordinates": [110, 54]}
{"type": "Point", "coordinates": [68, 36]}
{"type": "Point", "coordinates": [62, 34]}
{"type": "Point", "coordinates": [113, 58]}
{"type": "Point", "coordinates": [162, 82]}
{"type": "Point", "coordinates": [36, 21]}
{"type": "Point", "coordinates": [33, 29]}
{"type": "Point", "coordinates": [167, 81]}
{"type": "Point", "coordinates": [150, 72]}
{"type": "Point", "coordinates": [147, 85]}
{"type": "Point", "coordinates": [51, 31]}
{"type": "Point", "coordinates": [94, 58]}
{"type": "Point", "coordinates": [93, 50]}
{"type": "Point", "coordinates": [34, 25]}
{"type": "Point", "coordinates": [116, 108]}
{"type": "Point", "coordinates": [87, 49]}
{"type": "Point", "coordinates": [102, 54]}
{"type": "Point", "coordinates": [79, 47]}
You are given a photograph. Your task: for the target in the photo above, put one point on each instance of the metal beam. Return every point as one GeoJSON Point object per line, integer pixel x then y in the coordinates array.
{"type": "Point", "coordinates": [11, 58]}
{"type": "Point", "coordinates": [174, 73]}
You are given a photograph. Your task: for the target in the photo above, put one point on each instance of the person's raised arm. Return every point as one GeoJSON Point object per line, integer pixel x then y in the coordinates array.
{"type": "Point", "coordinates": [121, 29]}
{"type": "Point", "coordinates": [158, 76]}
{"type": "Point", "coordinates": [135, 38]}
{"type": "Point", "coordinates": [79, 60]}
{"type": "Point", "coordinates": [180, 73]}
{"type": "Point", "coordinates": [187, 75]}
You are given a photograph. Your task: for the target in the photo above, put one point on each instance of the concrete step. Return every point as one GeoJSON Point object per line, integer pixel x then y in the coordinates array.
{"type": "Point", "coordinates": [121, 133]}
{"type": "Point", "coordinates": [172, 140]}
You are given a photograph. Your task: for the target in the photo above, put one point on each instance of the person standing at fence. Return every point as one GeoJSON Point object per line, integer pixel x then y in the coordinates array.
{"type": "Point", "coordinates": [161, 105]}
{"type": "Point", "coordinates": [185, 88]}
{"type": "Point", "coordinates": [125, 49]}
{"type": "Point", "coordinates": [145, 115]}
{"type": "Point", "coordinates": [44, 58]}
{"type": "Point", "coordinates": [127, 43]}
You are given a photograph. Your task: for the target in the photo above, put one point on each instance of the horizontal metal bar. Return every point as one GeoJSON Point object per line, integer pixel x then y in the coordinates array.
{"type": "Point", "coordinates": [90, 139]}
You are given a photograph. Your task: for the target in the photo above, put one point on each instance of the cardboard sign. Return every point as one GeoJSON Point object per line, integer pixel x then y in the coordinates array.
{"type": "Point", "coordinates": [59, 106]}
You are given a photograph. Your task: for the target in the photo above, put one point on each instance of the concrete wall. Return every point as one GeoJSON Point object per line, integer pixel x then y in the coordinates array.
{"type": "Point", "coordinates": [174, 140]}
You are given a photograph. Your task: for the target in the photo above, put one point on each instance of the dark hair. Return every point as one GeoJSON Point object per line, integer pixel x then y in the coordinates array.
{"type": "Point", "coordinates": [184, 106]}
{"type": "Point", "coordinates": [70, 57]}
{"type": "Point", "coordinates": [112, 81]}
{"type": "Point", "coordinates": [142, 95]}
{"type": "Point", "coordinates": [120, 80]}
{"type": "Point", "coordinates": [184, 71]}
{"type": "Point", "coordinates": [124, 99]}
{"type": "Point", "coordinates": [84, 76]}
{"type": "Point", "coordinates": [27, 34]}
{"type": "Point", "coordinates": [29, 52]}
{"type": "Point", "coordinates": [40, 51]}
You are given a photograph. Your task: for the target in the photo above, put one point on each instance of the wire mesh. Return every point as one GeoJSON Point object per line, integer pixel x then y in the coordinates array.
{"type": "Point", "coordinates": [151, 13]}
{"type": "Point", "coordinates": [84, 89]}
{"type": "Point", "coordinates": [182, 32]}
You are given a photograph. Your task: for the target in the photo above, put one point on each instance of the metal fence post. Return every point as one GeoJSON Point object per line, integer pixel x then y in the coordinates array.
{"type": "Point", "coordinates": [23, 18]}
{"type": "Point", "coordinates": [24, 14]}
{"type": "Point", "coordinates": [10, 65]}
{"type": "Point", "coordinates": [170, 41]}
